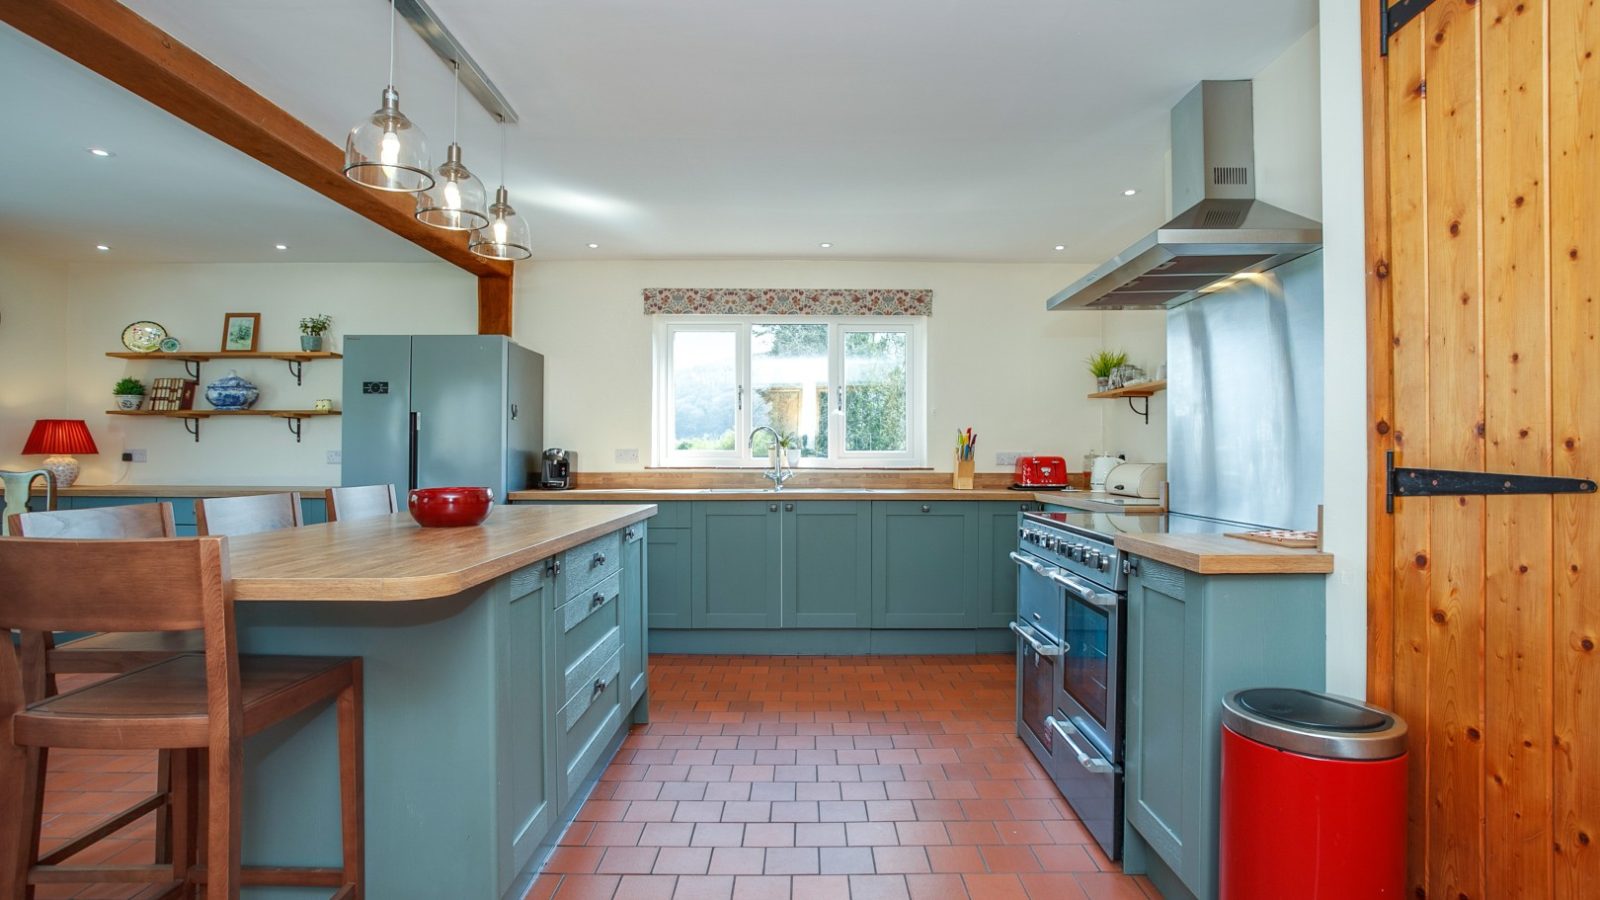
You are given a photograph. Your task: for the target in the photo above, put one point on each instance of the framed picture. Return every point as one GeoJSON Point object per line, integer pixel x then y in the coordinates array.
{"type": "Point", "coordinates": [239, 332]}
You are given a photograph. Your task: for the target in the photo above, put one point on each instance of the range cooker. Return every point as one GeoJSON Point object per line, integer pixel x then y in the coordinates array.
{"type": "Point", "coordinates": [1071, 597]}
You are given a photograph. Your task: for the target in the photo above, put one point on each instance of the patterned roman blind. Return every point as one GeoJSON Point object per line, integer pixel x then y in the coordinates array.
{"type": "Point", "coordinates": [787, 302]}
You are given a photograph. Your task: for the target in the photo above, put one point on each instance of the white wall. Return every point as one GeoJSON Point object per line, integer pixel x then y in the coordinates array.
{"type": "Point", "coordinates": [997, 361]}
{"type": "Point", "coordinates": [1344, 333]}
{"type": "Point", "coordinates": [1289, 129]}
{"type": "Point", "coordinates": [1143, 334]}
{"type": "Point", "coordinates": [72, 315]}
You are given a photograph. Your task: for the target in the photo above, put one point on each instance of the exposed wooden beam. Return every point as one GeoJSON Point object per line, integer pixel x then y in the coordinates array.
{"type": "Point", "coordinates": [110, 39]}
{"type": "Point", "coordinates": [494, 305]}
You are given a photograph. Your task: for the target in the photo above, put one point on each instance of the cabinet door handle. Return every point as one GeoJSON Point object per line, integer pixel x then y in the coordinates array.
{"type": "Point", "coordinates": [599, 560]}
{"type": "Point", "coordinates": [627, 534]}
{"type": "Point", "coordinates": [599, 599]}
{"type": "Point", "coordinates": [927, 508]}
{"type": "Point", "coordinates": [788, 507]}
{"type": "Point", "coordinates": [600, 685]}
{"type": "Point", "coordinates": [772, 508]}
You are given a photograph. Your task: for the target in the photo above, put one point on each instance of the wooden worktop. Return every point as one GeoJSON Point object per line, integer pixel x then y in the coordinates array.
{"type": "Point", "coordinates": [177, 490]}
{"type": "Point", "coordinates": [392, 558]}
{"type": "Point", "coordinates": [659, 495]}
{"type": "Point", "coordinates": [1218, 554]}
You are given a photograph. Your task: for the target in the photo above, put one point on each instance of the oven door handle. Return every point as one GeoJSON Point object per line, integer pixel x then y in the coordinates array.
{"type": "Point", "coordinates": [1038, 568]}
{"type": "Point", "coordinates": [1047, 650]}
{"type": "Point", "coordinates": [1091, 763]}
{"type": "Point", "coordinates": [1081, 589]}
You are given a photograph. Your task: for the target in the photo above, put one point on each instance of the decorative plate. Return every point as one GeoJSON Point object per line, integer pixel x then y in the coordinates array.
{"type": "Point", "coordinates": [143, 337]}
{"type": "Point", "coordinates": [170, 345]}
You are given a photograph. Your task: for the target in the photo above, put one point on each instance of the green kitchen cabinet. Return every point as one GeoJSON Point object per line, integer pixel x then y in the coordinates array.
{"type": "Point", "coordinates": [827, 564]}
{"type": "Point", "coordinates": [737, 564]}
{"type": "Point", "coordinates": [313, 511]}
{"type": "Point", "coordinates": [1191, 640]}
{"type": "Point", "coordinates": [526, 707]}
{"type": "Point", "coordinates": [635, 615]}
{"type": "Point", "coordinates": [997, 574]}
{"type": "Point", "coordinates": [669, 553]}
{"type": "Point", "coordinates": [925, 572]}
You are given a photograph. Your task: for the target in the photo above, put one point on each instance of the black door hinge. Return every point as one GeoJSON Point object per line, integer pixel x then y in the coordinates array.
{"type": "Point", "coordinates": [1393, 18]}
{"type": "Point", "coordinates": [1445, 482]}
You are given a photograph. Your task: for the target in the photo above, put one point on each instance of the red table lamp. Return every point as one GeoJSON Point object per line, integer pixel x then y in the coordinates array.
{"type": "Point", "coordinates": [60, 439]}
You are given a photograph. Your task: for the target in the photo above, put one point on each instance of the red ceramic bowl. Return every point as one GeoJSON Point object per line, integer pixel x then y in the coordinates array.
{"type": "Point", "coordinates": [451, 507]}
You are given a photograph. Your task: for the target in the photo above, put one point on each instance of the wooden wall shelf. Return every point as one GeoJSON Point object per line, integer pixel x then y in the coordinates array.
{"type": "Point", "coordinates": [292, 417]}
{"type": "Point", "coordinates": [192, 359]}
{"type": "Point", "coordinates": [1144, 389]}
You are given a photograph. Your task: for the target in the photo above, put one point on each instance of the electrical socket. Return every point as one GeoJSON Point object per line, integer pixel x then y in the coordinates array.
{"type": "Point", "coordinates": [133, 456]}
{"type": "Point", "coordinates": [627, 455]}
{"type": "Point", "coordinates": [1007, 458]}
{"type": "Point", "coordinates": [335, 457]}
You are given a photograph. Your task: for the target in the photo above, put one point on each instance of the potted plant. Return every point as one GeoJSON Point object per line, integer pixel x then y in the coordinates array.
{"type": "Point", "coordinates": [128, 394]}
{"type": "Point", "coordinates": [311, 330]}
{"type": "Point", "coordinates": [790, 445]}
{"type": "Point", "coordinates": [1103, 363]}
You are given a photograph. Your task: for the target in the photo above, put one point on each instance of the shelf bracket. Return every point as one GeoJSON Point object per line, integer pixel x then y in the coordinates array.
{"type": "Point", "coordinates": [295, 367]}
{"type": "Point", "coordinates": [1141, 412]}
{"type": "Point", "coordinates": [1445, 482]}
{"type": "Point", "coordinates": [192, 368]}
{"type": "Point", "coordinates": [294, 427]}
{"type": "Point", "coordinates": [192, 426]}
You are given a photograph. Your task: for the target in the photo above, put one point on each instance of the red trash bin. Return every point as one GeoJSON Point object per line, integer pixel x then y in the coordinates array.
{"type": "Point", "coordinates": [1313, 798]}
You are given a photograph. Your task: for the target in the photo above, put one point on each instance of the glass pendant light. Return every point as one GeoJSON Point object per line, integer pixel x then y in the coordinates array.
{"type": "Point", "coordinates": [457, 200]}
{"type": "Point", "coordinates": [387, 151]}
{"type": "Point", "coordinates": [506, 236]}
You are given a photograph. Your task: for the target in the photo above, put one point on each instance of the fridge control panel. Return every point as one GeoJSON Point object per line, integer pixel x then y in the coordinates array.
{"type": "Point", "coordinates": [374, 387]}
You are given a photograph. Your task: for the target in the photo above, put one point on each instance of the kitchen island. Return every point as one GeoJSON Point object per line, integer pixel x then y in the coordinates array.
{"type": "Point", "coordinates": [501, 665]}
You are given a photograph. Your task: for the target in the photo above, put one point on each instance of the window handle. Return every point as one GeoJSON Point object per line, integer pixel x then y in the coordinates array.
{"type": "Point", "coordinates": [741, 398]}
{"type": "Point", "coordinates": [839, 395]}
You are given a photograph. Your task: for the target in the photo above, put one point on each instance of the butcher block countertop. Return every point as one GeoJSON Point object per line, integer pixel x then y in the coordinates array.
{"type": "Point", "coordinates": [176, 490]}
{"type": "Point", "coordinates": [659, 495]}
{"type": "Point", "coordinates": [392, 558]}
{"type": "Point", "coordinates": [1218, 554]}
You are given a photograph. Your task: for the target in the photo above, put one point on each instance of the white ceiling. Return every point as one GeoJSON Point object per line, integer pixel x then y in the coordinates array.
{"type": "Point", "coordinates": [894, 129]}
{"type": "Point", "coordinates": [170, 194]}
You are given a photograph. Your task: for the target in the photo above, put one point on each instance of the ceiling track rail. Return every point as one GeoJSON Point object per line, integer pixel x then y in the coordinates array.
{"type": "Point", "coordinates": [1446, 482]}
{"type": "Point", "coordinates": [1393, 18]}
{"type": "Point", "coordinates": [426, 23]}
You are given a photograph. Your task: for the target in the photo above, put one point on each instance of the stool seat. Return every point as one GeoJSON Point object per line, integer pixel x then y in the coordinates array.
{"type": "Point", "coordinates": [122, 652]}
{"type": "Point", "coordinates": [163, 705]}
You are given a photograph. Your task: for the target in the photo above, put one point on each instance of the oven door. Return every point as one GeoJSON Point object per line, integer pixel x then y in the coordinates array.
{"type": "Point", "coordinates": [1039, 609]}
{"type": "Point", "coordinates": [1091, 664]}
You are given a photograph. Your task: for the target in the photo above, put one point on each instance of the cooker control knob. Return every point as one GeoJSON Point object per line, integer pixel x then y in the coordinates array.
{"type": "Point", "coordinates": [1105, 563]}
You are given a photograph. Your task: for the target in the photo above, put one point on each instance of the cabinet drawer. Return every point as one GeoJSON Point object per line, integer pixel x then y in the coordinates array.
{"type": "Point", "coordinates": [586, 624]}
{"type": "Point", "coordinates": [578, 678]}
{"type": "Point", "coordinates": [586, 723]}
{"type": "Point", "coordinates": [587, 565]}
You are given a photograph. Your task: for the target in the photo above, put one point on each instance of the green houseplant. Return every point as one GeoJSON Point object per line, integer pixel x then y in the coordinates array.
{"type": "Point", "coordinates": [1103, 363]}
{"type": "Point", "coordinates": [312, 328]}
{"type": "Point", "coordinates": [128, 393]}
{"type": "Point", "coordinates": [789, 444]}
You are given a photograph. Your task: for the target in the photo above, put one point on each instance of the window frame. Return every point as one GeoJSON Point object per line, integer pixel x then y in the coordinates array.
{"type": "Point", "coordinates": [664, 455]}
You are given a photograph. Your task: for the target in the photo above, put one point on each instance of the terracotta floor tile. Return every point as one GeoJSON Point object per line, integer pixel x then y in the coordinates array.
{"type": "Point", "coordinates": [1109, 886]}
{"type": "Point", "coordinates": [737, 861]}
{"type": "Point", "coordinates": [683, 790]}
{"type": "Point", "coordinates": [795, 811]}
{"type": "Point", "coordinates": [1051, 886]}
{"type": "Point", "coordinates": [747, 811]}
{"type": "Point", "coordinates": [846, 860]}
{"type": "Point", "coordinates": [864, 790]}
{"type": "Point", "coordinates": [627, 861]}
{"type": "Point", "coordinates": [1064, 858]}
{"type": "Point", "coordinates": [819, 887]}
{"type": "Point", "coordinates": [956, 859]}
{"type": "Point", "coordinates": [646, 887]}
{"type": "Point", "coordinates": [1010, 859]}
{"type": "Point", "coordinates": [666, 834]}
{"type": "Point", "coordinates": [912, 790]}
{"type": "Point", "coordinates": [588, 887]}
{"type": "Point", "coordinates": [543, 888]}
{"type": "Point", "coordinates": [922, 833]}
{"type": "Point", "coordinates": [704, 887]}
{"type": "Point", "coordinates": [878, 887]}
{"type": "Point", "coordinates": [615, 834]}
{"type": "Point", "coordinates": [972, 832]}
{"type": "Point", "coordinates": [819, 834]}
{"type": "Point", "coordinates": [936, 887]}
{"type": "Point", "coordinates": [769, 834]}
{"type": "Point", "coordinates": [1023, 832]}
{"type": "Point", "coordinates": [760, 887]}
{"type": "Point", "coordinates": [698, 811]}
{"type": "Point", "coordinates": [682, 861]}
{"type": "Point", "coordinates": [900, 860]}
{"type": "Point", "coordinates": [940, 810]}
{"type": "Point", "coordinates": [995, 887]}
{"type": "Point", "coordinates": [792, 861]}
{"type": "Point", "coordinates": [870, 834]}
{"type": "Point", "coordinates": [890, 811]}
{"type": "Point", "coordinates": [717, 834]}
{"type": "Point", "coordinates": [574, 860]}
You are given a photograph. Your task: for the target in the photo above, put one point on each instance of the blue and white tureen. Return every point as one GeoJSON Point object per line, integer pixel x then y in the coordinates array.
{"type": "Point", "coordinates": [232, 392]}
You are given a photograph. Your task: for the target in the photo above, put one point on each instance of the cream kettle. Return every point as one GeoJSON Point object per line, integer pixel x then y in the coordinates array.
{"type": "Point", "coordinates": [1099, 468]}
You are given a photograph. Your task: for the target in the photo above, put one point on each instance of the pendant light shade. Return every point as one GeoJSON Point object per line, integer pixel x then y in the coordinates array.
{"type": "Point", "coordinates": [387, 151]}
{"type": "Point", "coordinates": [506, 236]}
{"type": "Point", "coordinates": [458, 200]}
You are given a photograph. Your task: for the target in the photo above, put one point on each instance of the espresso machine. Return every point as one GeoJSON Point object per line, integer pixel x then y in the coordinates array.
{"type": "Point", "coordinates": [556, 473]}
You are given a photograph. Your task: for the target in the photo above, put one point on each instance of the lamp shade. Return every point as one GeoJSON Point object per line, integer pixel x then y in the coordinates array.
{"type": "Point", "coordinates": [59, 437]}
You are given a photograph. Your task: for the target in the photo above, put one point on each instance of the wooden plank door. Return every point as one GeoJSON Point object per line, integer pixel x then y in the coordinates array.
{"type": "Point", "coordinates": [1483, 202]}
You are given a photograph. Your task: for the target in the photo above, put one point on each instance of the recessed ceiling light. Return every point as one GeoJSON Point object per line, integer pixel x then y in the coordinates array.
{"type": "Point", "coordinates": [594, 246]}
{"type": "Point", "coordinates": [280, 246]}
{"type": "Point", "coordinates": [824, 245]}
{"type": "Point", "coordinates": [1130, 192]}
{"type": "Point", "coordinates": [1061, 246]}
{"type": "Point", "coordinates": [102, 248]}
{"type": "Point", "coordinates": [100, 152]}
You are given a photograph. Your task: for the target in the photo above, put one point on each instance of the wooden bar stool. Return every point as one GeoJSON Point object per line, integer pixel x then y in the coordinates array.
{"type": "Point", "coordinates": [365, 502]}
{"type": "Point", "coordinates": [201, 707]}
{"type": "Point", "coordinates": [247, 515]}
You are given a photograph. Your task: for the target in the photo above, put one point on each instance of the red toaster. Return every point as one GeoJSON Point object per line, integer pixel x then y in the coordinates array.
{"type": "Point", "coordinates": [1041, 472]}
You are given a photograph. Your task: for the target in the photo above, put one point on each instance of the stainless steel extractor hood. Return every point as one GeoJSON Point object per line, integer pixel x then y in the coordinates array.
{"type": "Point", "coordinates": [1223, 234]}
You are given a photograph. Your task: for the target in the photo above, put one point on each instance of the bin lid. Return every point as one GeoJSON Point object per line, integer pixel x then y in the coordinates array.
{"type": "Point", "coordinates": [1314, 724]}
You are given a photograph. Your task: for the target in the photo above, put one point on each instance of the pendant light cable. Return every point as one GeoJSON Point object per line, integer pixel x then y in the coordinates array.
{"type": "Point", "coordinates": [391, 42]}
{"type": "Point", "coordinates": [502, 149]}
{"type": "Point", "coordinates": [455, 105]}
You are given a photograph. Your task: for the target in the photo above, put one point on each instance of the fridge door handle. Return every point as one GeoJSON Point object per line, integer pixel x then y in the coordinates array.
{"type": "Point", "coordinates": [411, 471]}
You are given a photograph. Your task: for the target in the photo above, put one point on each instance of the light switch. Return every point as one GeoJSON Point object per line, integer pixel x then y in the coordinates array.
{"type": "Point", "coordinates": [627, 455]}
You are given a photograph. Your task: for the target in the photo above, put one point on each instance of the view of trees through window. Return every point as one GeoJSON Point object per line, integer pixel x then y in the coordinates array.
{"type": "Point", "coordinates": [791, 369]}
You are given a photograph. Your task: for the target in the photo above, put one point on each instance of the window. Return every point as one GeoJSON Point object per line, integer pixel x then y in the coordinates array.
{"type": "Point", "coordinates": [846, 391]}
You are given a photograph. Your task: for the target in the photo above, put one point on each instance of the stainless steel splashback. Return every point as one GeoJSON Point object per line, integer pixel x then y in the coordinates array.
{"type": "Point", "coordinates": [1244, 399]}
